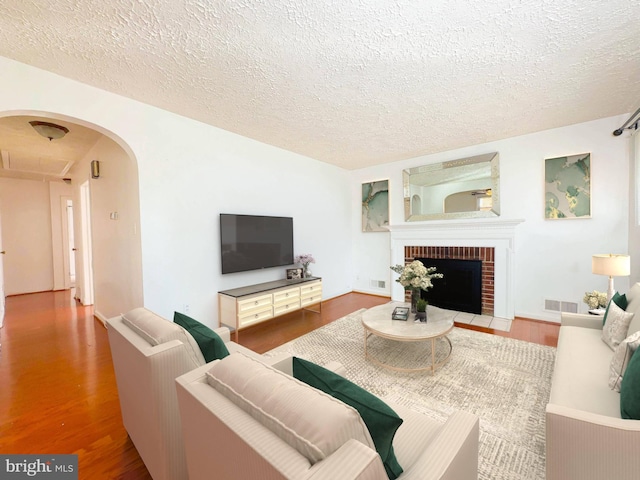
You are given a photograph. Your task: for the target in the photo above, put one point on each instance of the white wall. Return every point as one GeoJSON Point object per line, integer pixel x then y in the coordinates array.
{"type": "Point", "coordinates": [553, 257]}
{"type": "Point", "coordinates": [190, 172]}
{"type": "Point", "coordinates": [634, 204]}
{"type": "Point", "coordinates": [26, 235]}
{"type": "Point", "coordinates": [117, 252]}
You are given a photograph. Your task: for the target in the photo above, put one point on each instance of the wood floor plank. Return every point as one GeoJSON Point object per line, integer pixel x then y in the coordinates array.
{"type": "Point", "coordinates": [57, 386]}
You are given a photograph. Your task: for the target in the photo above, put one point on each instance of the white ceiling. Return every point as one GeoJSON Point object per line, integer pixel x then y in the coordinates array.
{"type": "Point", "coordinates": [349, 82]}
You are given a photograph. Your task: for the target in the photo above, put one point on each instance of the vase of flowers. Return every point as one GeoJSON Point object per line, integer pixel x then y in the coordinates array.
{"type": "Point", "coordinates": [595, 299]}
{"type": "Point", "coordinates": [305, 260]}
{"type": "Point", "coordinates": [415, 277]}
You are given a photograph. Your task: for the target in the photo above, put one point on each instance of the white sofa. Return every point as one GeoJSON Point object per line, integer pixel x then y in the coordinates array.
{"type": "Point", "coordinates": [586, 438]}
{"type": "Point", "coordinates": [148, 353]}
{"type": "Point", "coordinates": [229, 438]}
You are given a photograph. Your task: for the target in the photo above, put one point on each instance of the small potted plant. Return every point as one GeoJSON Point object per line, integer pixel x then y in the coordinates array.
{"type": "Point", "coordinates": [421, 310]}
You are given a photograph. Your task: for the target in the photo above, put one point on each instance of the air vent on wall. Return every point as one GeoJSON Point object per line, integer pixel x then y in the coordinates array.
{"type": "Point", "coordinates": [378, 283]}
{"type": "Point", "coordinates": [560, 306]}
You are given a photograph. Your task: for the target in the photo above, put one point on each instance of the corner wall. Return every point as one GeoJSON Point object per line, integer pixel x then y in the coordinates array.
{"type": "Point", "coordinates": [189, 173]}
{"type": "Point", "coordinates": [634, 205]}
{"type": "Point", "coordinates": [115, 224]}
{"type": "Point", "coordinates": [552, 257]}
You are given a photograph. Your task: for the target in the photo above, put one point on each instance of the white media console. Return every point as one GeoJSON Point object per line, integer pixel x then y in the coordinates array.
{"type": "Point", "coordinates": [242, 307]}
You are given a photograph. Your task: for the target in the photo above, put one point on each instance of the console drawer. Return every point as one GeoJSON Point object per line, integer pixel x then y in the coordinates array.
{"type": "Point", "coordinates": [286, 296]}
{"type": "Point", "coordinates": [316, 298]}
{"type": "Point", "coordinates": [255, 316]}
{"type": "Point", "coordinates": [281, 308]}
{"type": "Point", "coordinates": [311, 290]}
{"type": "Point", "coordinates": [253, 303]}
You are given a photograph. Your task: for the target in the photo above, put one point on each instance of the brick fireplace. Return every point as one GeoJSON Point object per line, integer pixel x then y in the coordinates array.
{"type": "Point", "coordinates": [491, 240]}
{"type": "Point", "coordinates": [484, 254]}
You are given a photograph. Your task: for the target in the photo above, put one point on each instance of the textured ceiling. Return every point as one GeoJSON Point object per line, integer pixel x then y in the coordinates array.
{"type": "Point", "coordinates": [349, 82]}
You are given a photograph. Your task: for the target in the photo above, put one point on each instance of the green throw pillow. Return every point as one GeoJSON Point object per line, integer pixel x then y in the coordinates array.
{"type": "Point", "coordinates": [630, 389]}
{"type": "Point", "coordinates": [379, 418]}
{"type": "Point", "coordinates": [620, 300]}
{"type": "Point", "coordinates": [210, 343]}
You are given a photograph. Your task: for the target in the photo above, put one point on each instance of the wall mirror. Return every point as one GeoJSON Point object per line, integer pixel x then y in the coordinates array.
{"type": "Point", "coordinates": [464, 188]}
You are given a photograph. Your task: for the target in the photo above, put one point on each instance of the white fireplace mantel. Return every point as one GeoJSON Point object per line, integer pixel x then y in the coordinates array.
{"type": "Point", "coordinates": [498, 234]}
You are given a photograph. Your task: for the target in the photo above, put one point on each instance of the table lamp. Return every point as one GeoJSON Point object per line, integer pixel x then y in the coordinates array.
{"type": "Point", "coordinates": [613, 265]}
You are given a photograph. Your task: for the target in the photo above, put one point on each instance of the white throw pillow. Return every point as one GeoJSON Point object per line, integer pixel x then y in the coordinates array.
{"type": "Point", "coordinates": [156, 330]}
{"type": "Point", "coordinates": [312, 422]}
{"type": "Point", "coordinates": [616, 325]}
{"type": "Point", "coordinates": [620, 360]}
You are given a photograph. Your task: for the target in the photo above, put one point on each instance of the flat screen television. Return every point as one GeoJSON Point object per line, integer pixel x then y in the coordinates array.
{"type": "Point", "coordinates": [253, 242]}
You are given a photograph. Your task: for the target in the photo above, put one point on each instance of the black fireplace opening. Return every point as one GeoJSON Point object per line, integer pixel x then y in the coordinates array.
{"type": "Point", "coordinates": [461, 287]}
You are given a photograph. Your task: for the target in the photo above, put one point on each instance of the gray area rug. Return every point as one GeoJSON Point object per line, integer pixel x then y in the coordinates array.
{"type": "Point", "coordinates": [503, 381]}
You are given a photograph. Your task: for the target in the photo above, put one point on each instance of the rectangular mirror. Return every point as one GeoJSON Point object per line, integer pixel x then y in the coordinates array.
{"type": "Point", "coordinates": [464, 188]}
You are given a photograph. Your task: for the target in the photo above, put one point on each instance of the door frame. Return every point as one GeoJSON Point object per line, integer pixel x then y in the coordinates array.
{"type": "Point", "coordinates": [86, 289]}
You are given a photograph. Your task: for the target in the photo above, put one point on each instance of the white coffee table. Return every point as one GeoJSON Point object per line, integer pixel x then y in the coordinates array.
{"type": "Point", "coordinates": [377, 321]}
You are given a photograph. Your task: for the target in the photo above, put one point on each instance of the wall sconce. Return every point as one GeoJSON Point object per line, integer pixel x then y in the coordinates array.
{"type": "Point", "coordinates": [95, 169]}
{"type": "Point", "coordinates": [49, 130]}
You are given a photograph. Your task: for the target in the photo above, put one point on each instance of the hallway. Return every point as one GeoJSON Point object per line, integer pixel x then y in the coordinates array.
{"type": "Point", "coordinates": [58, 391]}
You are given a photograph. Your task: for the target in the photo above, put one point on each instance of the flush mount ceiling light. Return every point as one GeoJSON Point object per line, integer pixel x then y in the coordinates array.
{"type": "Point", "coordinates": [49, 130]}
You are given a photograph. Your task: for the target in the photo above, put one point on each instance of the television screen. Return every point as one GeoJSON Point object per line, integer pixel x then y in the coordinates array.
{"type": "Point", "coordinates": [251, 242]}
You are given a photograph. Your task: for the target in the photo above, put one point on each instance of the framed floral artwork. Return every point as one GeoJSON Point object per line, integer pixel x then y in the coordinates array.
{"type": "Point", "coordinates": [375, 206]}
{"type": "Point", "coordinates": [567, 187]}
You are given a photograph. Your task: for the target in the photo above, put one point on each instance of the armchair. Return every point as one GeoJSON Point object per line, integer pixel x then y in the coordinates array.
{"type": "Point", "coordinates": [231, 438]}
{"type": "Point", "coordinates": [148, 354]}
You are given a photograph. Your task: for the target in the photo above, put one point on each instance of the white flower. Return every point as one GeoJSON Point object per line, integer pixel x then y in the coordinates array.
{"type": "Point", "coordinates": [416, 275]}
{"type": "Point", "coordinates": [595, 299]}
{"type": "Point", "coordinates": [304, 260]}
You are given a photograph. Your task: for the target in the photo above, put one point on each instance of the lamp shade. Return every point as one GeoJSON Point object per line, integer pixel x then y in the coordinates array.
{"type": "Point", "coordinates": [613, 265]}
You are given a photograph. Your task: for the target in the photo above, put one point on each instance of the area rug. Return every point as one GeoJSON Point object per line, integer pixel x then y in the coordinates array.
{"type": "Point", "coordinates": [505, 382]}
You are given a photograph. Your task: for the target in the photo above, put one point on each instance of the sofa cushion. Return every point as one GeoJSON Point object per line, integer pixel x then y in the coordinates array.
{"type": "Point", "coordinates": [312, 422]}
{"type": "Point", "coordinates": [380, 419]}
{"type": "Point", "coordinates": [620, 360]}
{"type": "Point", "coordinates": [616, 325]}
{"type": "Point", "coordinates": [157, 330]}
{"type": "Point", "coordinates": [620, 300]}
{"type": "Point", "coordinates": [630, 390]}
{"type": "Point", "coordinates": [633, 306]}
{"type": "Point", "coordinates": [581, 373]}
{"type": "Point", "coordinates": [210, 343]}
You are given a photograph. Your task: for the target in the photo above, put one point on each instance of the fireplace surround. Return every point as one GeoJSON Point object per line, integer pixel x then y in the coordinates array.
{"type": "Point", "coordinates": [466, 236]}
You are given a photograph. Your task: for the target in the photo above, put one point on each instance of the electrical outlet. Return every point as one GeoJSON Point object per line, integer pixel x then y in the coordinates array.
{"type": "Point", "coordinates": [185, 309]}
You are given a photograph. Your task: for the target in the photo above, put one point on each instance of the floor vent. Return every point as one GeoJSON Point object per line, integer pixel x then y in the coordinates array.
{"type": "Point", "coordinates": [378, 283]}
{"type": "Point", "coordinates": [560, 306]}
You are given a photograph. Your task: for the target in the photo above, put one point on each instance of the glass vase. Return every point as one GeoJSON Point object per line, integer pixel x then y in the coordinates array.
{"type": "Point", "coordinates": [306, 271]}
{"type": "Point", "coordinates": [415, 296]}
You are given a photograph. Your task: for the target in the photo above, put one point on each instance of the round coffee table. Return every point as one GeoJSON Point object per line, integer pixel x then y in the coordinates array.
{"type": "Point", "coordinates": [377, 321]}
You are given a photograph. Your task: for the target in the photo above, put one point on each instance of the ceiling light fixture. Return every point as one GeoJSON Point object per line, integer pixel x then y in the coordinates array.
{"type": "Point", "coordinates": [49, 130]}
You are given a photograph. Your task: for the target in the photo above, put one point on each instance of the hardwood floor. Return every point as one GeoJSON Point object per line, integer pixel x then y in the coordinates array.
{"type": "Point", "coordinates": [57, 387]}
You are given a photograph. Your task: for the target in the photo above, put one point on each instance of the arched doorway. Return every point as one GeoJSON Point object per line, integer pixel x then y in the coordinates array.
{"type": "Point", "coordinates": [113, 263]}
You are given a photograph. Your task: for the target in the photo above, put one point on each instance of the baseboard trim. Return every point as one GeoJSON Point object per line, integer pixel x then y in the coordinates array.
{"type": "Point", "coordinates": [375, 294]}
{"type": "Point", "coordinates": [101, 317]}
{"type": "Point", "coordinates": [550, 318]}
